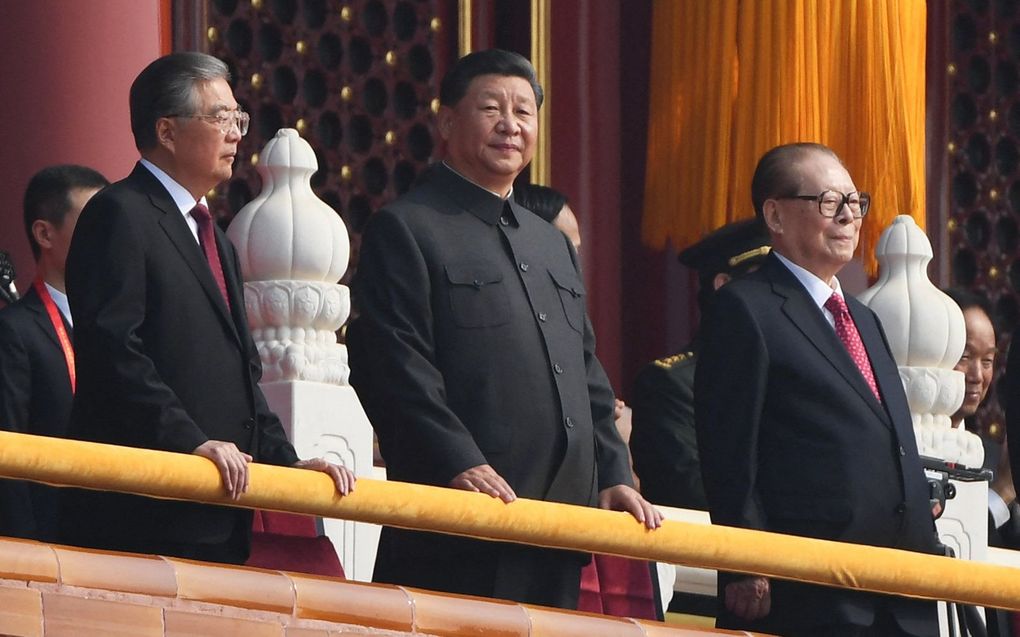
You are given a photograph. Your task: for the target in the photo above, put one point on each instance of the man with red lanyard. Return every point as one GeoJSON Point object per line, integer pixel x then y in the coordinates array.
{"type": "Point", "coordinates": [36, 358]}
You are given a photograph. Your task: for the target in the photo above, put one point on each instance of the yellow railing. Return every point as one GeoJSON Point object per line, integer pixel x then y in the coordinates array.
{"type": "Point", "coordinates": [186, 477]}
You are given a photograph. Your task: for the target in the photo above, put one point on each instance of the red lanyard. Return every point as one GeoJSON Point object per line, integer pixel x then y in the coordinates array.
{"type": "Point", "coordinates": [58, 325]}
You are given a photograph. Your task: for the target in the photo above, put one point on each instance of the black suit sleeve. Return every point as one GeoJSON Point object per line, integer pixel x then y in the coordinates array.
{"type": "Point", "coordinates": [106, 286]}
{"type": "Point", "coordinates": [393, 355]}
{"type": "Point", "coordinates": [664, 441]}
{"type": "Point", "coordinates": [729, 393]}
{"type": "Point", "coordinates": [15, 379]}
{"type": "Point", "coordinates": [274, 446]}
{"type": "Point", "coordinates": [17, 517]}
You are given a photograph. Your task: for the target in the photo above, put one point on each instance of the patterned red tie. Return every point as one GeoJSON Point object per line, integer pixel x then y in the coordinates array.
{"type": "Point", "coordinates": [207, 238]}
{"type": "Point", "coordinates": [847, 332]}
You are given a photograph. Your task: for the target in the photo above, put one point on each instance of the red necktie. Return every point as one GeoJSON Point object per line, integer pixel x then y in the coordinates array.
{"type": "Point", "coordinates": [207, 238]}
{"type": "Point", "coordinates": [847, 332]}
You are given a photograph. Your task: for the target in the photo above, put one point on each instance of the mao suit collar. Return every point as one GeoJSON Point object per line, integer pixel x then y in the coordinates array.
{"type": "Point", "coordinates": [468, 196]}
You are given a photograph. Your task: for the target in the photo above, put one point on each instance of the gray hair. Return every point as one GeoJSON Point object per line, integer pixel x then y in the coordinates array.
{"type": "Point", "coordinates": [167, 87]}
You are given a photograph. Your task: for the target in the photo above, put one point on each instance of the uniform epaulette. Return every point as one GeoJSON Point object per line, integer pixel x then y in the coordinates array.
{"type": "Point", "coordinates": [670, 361]}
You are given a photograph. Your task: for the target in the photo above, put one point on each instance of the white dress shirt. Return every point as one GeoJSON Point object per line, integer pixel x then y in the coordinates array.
{"type": "Point", "coordinates": [185, 202]}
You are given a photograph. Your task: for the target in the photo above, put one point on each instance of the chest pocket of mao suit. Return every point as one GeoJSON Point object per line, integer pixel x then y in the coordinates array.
{"type": "Point", "coordinates": [571, 292]}
{"type": "Point", "coordinates": [477, 295]}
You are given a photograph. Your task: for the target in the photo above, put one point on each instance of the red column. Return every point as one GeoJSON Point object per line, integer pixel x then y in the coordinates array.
{"type": "Point", "coordinates": [66, 68]}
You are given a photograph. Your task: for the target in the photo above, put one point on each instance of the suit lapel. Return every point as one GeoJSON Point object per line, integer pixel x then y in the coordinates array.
{"type": "Point", "coordinates": [34, 304]}
{"type": "Point", "coordinates": [806, 317]}
{"type": "Point", "coordinates": [887, 376]}
{"type": "Point", "coordinates": [176, 228]}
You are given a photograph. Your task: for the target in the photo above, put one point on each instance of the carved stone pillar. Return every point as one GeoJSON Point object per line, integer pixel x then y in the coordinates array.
{"type": "Point", "coordinates": [927, 335]}
{"type": "Point", "coordinates": [293, 249]}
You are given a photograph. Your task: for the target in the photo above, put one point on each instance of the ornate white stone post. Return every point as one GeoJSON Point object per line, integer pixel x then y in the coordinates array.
{"type": "Point", "coordinates": [293, 249]}
{"type": "Point", "coordinates": [927, 335]}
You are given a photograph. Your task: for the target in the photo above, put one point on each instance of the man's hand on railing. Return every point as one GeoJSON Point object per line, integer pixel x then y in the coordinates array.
{"type": "Point", "coordinates": [749, 598]}
{"type": "Point", "coordinates": [624, 498]}
{"type": "Point", "coordinates": [484, 479]}
{"type": "Point", "coordinates": [343, 477]}
{"type": "Point", "coordinates": [231, 462]}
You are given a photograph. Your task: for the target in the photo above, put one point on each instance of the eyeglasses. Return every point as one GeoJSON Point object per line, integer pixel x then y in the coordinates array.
{"type": "Point", "coordinates": [830, 202]}
{"type": "Point", "coordinates": [225, 120]}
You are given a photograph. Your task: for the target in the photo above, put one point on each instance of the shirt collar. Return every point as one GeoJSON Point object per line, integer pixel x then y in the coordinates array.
{"type": "Point", "coordinates": [60, 299]}
{"type": "Point", "coordinates": [818, 290]}
{"type": "Point", "coordinates": [182, 198]}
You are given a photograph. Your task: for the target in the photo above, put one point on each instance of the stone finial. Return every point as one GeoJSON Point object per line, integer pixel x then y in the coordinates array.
{"type": "Point", "coordinates": [293, 249]}
{"type": "Point", "coordinates": [287, 233]}
{"type": "Point", "coordinates": [927, 336]}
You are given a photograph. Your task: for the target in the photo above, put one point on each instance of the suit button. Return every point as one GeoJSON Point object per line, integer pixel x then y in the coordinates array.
{"type": "Point", "coordinates": [524, 267]}
{"type": "Point", "coordinates": [542, 316]}
{"type": "Point", "coordinates": [903, 451]}
{"type": "Point", "coordinates": [504, 220]}
{"type": "Point", "coordinates": [568, 422]}
{"type": "Point", "coordinates": [901, 508]}
{"type": "Point", "coordinates": [557, 368]}
{"type": "Point", "coordinates": [248, 424]}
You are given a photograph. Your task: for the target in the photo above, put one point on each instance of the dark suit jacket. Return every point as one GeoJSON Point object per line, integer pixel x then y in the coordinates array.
{"type": "Point", "coordinates": [473, 346]}
{"type": "Point", "coordinates": [792, 440]}
{"type": "Point", "coordinates": [35, 398]}
{"type": "Point", "coordinates": [663, 441]}
{"type": "Point", "coordinates": [162, 363]}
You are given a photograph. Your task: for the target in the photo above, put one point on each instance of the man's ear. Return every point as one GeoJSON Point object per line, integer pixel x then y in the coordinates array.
{"type": "Point", "coordinates": [770, 211]}
{"type": "Point", "coordinates": [166, 132]}
{"type": "Point", "coordinates": [720, 280]}
{"type": "Point", "coordinates": [42, 232]}
{"type": "Point", "coordinates": [444, 118]}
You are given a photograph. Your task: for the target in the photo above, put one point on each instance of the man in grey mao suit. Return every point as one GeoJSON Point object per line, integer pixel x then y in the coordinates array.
{"type": "Point", "coordinates": [165, 359]}
{"type": "Point", "coordinates": [473, 355]}
{"type": "Point", "coordinates": [793, 436]}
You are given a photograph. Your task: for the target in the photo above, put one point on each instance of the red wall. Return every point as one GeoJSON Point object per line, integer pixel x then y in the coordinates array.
{"type": "Point", "coordinates": [66, 67]}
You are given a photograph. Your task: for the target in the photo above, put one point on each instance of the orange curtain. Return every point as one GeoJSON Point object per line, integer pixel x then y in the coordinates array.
{"type": "Point", "coordinates": [732, 78]}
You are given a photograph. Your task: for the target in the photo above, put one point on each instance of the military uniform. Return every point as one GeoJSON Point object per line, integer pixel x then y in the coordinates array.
{"type": "Point", "coordinates": [663, 440]}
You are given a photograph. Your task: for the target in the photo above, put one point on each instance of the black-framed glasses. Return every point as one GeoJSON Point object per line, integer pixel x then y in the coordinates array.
{"type": "Point", "coordinates": [831, 202]}
{"type": "Point", "coordinates": [225, 120]}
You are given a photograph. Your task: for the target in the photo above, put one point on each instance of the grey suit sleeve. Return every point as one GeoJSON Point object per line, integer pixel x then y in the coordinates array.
{"type": "Point", "coordinates": [729, 395]}
{"type": "Point", "coordinates": [393, 357]}
{"type": "Point", "coordinates": [106, 287]}
{"type": "Point", "coordinates": [612, 456]}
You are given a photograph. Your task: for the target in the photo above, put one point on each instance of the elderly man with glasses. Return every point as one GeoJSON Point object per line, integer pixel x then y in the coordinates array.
{"type": "Point", "coordinates": [164, 356]}
{"type": "Point", "coordinates": [803, 425]}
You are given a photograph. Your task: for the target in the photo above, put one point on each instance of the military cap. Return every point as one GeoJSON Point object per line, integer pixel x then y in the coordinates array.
{"type": "Point", "coordinates": [731, 249]}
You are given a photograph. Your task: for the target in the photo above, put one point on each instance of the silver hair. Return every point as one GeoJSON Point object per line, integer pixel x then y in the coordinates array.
{"type": "Point", "coordinates": [167, 87]}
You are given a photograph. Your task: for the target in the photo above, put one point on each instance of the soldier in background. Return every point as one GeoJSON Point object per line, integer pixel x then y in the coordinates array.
{"type": "Point", "coordinates": [663, 440]}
